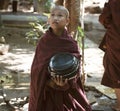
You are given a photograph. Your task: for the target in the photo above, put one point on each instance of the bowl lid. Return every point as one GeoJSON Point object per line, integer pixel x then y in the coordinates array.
{"type": "Point", "coordinates": [62, 61]}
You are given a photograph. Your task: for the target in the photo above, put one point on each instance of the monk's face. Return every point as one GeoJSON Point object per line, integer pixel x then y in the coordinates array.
{"type": "Point", "coordinates": [58, 19]}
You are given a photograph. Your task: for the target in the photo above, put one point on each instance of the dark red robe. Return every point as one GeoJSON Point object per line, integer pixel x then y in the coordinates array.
{"type": "Point", "coordinates": [71, 97]}
{"type": "Point", "coordinates": [110, 18]}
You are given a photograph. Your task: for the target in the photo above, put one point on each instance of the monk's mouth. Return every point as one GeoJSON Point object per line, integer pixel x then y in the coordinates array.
{"type": "Point", "coordinates": [55, 22]}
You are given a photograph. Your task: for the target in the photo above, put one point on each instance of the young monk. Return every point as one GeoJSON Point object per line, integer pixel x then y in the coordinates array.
{"type": "Point", "coordinates": [110, 18]}
{"type": "Point", "coordinates": [53, 93]}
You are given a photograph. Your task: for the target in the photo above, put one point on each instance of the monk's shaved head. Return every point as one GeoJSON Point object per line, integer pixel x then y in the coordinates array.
{"type": "Point", "coordinates": [62, 8]}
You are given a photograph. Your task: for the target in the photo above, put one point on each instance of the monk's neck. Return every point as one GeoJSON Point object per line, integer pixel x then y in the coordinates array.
{"type": "Point", "coordinates": [58, 32]}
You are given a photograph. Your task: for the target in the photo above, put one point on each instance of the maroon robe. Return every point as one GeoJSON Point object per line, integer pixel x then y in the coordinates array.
{"type": "Point", "coordinates": [110, 18]}
{"type": "Point", "coordinates": [71, 97]}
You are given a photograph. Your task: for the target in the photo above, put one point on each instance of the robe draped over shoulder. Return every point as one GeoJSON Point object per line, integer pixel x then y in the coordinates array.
{"type": "Point", "coordinates": [71, 97]}
{"type": "Point", "coordinates": [110, 18]}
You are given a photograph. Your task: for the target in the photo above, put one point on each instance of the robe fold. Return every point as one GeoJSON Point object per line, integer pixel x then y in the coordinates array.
{"type": "Point", "coordinates": [110, 18]}
{"type": "Point", "coordinates": [70, 97]}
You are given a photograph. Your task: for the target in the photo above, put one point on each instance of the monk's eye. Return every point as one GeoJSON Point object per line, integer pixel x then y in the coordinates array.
{"type": "Point", "coordinates": [60, 15]}
{"type": "Point", "coordinates": [52, 15]}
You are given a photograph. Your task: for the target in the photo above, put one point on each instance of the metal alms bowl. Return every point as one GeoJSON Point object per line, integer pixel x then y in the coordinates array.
{"type": "Point", "coordinates": [63, 64]}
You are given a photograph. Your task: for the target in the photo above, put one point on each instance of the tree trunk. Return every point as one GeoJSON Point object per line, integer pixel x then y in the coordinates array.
{"type": "Point", "coordinates": [14, 5]}
{"type": "Point", "coordinates": [36, 5]}
{"type": "Point", "coordinates": [59, 2]}
{"type": "Point", "coordinates": [74, 8]}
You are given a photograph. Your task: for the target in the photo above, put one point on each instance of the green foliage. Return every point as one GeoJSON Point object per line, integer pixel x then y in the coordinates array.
{"type": "Point", "coordinates": [37, 30]}
{"type": "Point", "coordinates": [48, 5]}
{"type": "Point", "coordinates": [7, 78]}
{"type": "Point", "coordinates": [80, 37]}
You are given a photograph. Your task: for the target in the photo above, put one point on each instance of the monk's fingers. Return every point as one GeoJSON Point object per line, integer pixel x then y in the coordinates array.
{"type": "Point", "coordinates": [54, 78]}
{"type": "Point", "coordinates": [63, 81]}
{"type": "Point", "coordinates": [66, 81]}
{"type": "Point", "coordinates": [59, 80]}
{"type": "Point", "coordinates": [57, 77]}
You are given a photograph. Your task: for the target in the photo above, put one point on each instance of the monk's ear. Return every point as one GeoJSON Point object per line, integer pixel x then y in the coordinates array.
{"type": "Point", "coordinates": [67, 21]}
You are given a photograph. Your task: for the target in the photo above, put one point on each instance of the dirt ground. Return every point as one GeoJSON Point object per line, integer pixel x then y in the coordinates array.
{"type": "Point", "coordinates": [15, 67]}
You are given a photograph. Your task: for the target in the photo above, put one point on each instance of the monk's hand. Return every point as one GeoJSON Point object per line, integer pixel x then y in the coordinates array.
{"type": "Point", "coordinates": [104, 46]}
{"type": "Point", "coordinates": [59, 80]}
